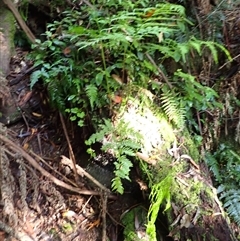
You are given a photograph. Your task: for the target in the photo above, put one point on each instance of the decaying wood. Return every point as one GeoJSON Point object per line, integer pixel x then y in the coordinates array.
{"type": "Point", "coordinates": [18, 17]}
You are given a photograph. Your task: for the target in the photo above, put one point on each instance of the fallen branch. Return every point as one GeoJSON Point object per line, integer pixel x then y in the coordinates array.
{"type": "Point", "coordinates": [55, 180]}
{"type": "Point", "coordinates": [72, 156]}
{"type": "Point", "coordinates": [81, 171]}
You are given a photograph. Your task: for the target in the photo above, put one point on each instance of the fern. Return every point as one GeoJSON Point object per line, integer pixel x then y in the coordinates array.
{"type": "Point", "coordinates": [213, 165]}
{"type": "Point", "coordinates": [104, 129]}
{"type": "Point", "coordinates": [121, 146]}
{"type": "Point", "coordinates": [160, 194]}
{"type": "Point", "coordinates": [225, 159]}
{"type": "Point", "coordinates": [92, 93]}
{"type": "Point", "coordinates": [122, 169]}
{"type": "Point", "coordinates": [117, 184]}
{"type": "Point", "coordinates": [231, 200]}
{"type": "Point", "coordinates": [34, 78]}
{"type": "Point", "coordinates": [172, 108]}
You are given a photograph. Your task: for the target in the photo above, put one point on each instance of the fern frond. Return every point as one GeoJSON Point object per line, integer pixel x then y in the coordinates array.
{"type": "Point", "coordinates": [92, 93]}
{"type": "Point", "coordinates": [212, 162]}
{"type": "Point", "coordinates": [123, 166]}
{"type": "Point", "coordinates": [160, 193]}
{"type": "Point", "coordinates": [172, 108]}
{"type": "Point", "coordinates": [34, 78]}
{"type": "Point", "coordinates": [231, 202]}
{"type": "Point", "coordinates": [117, 185]}
{"type": "Point", "coordinates": [104, 129]}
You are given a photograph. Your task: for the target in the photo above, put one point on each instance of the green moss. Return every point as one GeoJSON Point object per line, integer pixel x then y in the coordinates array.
{"type": "Point", "coordinates": [7, 30]}
{"type": "Point", "coordinates": [7, 25]}
{"type": "Point", "coordinates": [134, 220]}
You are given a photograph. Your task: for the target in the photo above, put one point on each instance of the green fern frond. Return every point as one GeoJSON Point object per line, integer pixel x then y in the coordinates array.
{"type": "Point", "coordinates": [121, 146]}
{"type": "Point", "coordinates": [212, 162]}
{"type": "Point", "coordinates": [197, 44]}
{"type": "Point", "coordinates": [123, 166]}
{"type": "Point", "coordinates": [117, 185]}
{"type": "Point", "coordinates": [172, 108]}
{"type": "Point", "coordinates": [231, 202]}
{"type": "Point", "coordinates": [104, 129]}
{"type": "Point", "coordinates": [160, 194]}
{"type": "Point", "coordinates": [130, 144]}
{"type": "Point", "coordinates": [34, 78]}
{"type": "Point", "coordinates": [122, 169]}
{"type": "Point", "coordinates": [92, 93]}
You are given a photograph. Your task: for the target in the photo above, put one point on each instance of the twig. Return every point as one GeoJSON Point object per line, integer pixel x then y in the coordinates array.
{"type": "Point", "coordinates": [199, 124]}
{"type": "Point", "coordinates": [70, 148]}
{"type": "Point", "coordinates": [191, 161]}
{"type": "Point", "coordinates": [104, 212]}
{"type": "Point", "coordinates": [49, 166]}
{"type": "Point", "coordinates": [229, 61]}
{"type": "Point", "coordinates": [55, 180]}
{"type": "Point", "coordinates": [81, 171]}
{"type": "Point", "coordinates": [159, 70]}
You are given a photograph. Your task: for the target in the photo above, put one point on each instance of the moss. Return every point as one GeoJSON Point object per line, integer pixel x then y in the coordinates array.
{"type": "Point", "coordinates": [7, 31]}
{"type": "Point", "coordinates": [134, 220]}
{"type": "Point", "coordinates": [7, 25]}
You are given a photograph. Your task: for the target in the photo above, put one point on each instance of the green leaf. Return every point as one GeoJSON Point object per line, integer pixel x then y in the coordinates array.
{"type": "Point", "coordinates": [34, 78]}
{"type": "Point", "coordinates": [99, 78]}
{"type": "Point", "coordinates": [92, 93]}
{"type": "Point", "coordinates": [117, 185]}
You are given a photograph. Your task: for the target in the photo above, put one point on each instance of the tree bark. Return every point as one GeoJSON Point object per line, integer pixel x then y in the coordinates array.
{"type": "Point", "coordinates": [18, 17]}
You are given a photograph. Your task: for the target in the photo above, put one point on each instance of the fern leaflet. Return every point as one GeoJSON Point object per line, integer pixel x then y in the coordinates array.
{"type": "Point", "coordinates": [172, 108]}
{"type": "Point", "coordinates": [92, 93]}
{"type": "Point", "coordinates": [231, 199]}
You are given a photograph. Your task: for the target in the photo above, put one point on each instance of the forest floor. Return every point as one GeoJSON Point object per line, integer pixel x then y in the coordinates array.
{"type": "Point", "coordinates": [37, 208]}
{"type": "Point", "coordinates": [41, 197]}
{"type": "Point", "coordinates": [44, 200]}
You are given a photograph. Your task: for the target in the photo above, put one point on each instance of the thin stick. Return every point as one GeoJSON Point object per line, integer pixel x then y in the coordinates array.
{"type": "Point", "coordinates": [81, 171]}
{"type": "Point", "coordinates": [55, 180]}
{"type": "Point", "coordinates": [104, 213]}
{"type": "Point", "coordinates": [72, 156]}
{"type": "Point", "coordinates": [49, 166]}
{"type": "Point", "coordinates": [159, 70]}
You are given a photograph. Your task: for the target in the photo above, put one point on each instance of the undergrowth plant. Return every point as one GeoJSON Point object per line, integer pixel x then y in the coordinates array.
{"type": "Point", "coordinates": [91, 53]}
{"type": "Point", "coordinates": [160, 196]}
{"type": "Point", "coordinates": [124, 143]}
{"type": "Point", "coordinates": [222, 161]}
{"type": "Point", "coordinates": [97, 53]}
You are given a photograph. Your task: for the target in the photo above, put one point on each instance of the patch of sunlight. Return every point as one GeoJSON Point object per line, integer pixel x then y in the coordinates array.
{"type": "Point", "coordinates": [146, 119]}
